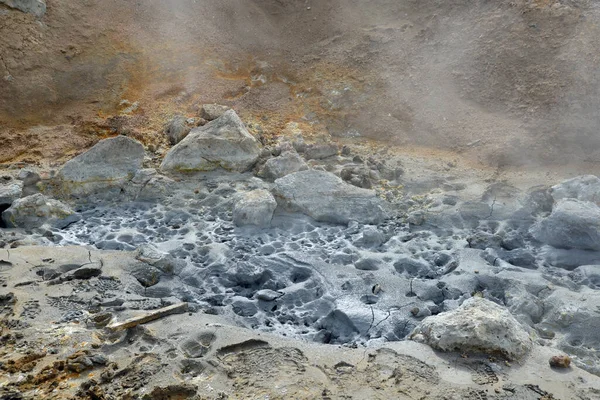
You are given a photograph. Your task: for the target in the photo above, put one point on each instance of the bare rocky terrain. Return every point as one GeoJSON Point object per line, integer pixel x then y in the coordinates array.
{"type": "Point", "coordinates": [299, 199]}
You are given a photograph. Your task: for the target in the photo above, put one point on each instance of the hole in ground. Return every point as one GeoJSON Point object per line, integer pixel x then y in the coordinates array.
{"type": "Point", "coordinates": [3, 207]}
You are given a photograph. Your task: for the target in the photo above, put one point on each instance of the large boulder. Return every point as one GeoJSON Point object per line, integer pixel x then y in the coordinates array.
{"type": "Point", "coordinates": [10, 190]}
{"type": "Point", "coordinates": [223, 143]}
{"type": "Point", "coordinates": [573, 224]}
{"type": "Point", "coordinates": [36, 210]}
{"type": "Point", "coordinates": [287, 163]}
{"type": "Point", "coordinates": [254, 208]}
{"type": "Point", "coordinates": [110, 163]}
{"type": "Point", "coordinates": [35, 7]}
{"type": "Point", "coordinates": [325, 197]}
{"type": "Point", "coordinates": [478, 325]}
{"type": "Point", "coordinates": [585, 188]}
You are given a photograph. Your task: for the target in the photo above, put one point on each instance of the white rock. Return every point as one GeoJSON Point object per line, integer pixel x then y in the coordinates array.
{"type": "Point", "coordinates": [478, 325]}
{"type": "Point", "coordinates": [254, 208]}
{"type": "Point", "coordinates": [223, 143]}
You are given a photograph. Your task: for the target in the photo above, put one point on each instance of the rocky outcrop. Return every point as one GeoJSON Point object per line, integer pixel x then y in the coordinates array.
{"type": "Point", "coordinates": [278, 167]}
{"type": "Point", "coordinates": [223, 143]}
{"type": "Point", "coordinates": [110, 164]}
{"type": "Point", "coordinates": [573, 224]}
{"type": "Point", "coordinates": [325, 197]}
{"type": "Point", "coordinates": [478, 325]}
{"type": "Point", "coordinates": [584, 188]}
{"type": "Point", "coordinates": [35, 7]}
{"type": "Point", "coordinates": [254, 208]}
{"type": "Point", "coordinates": [36, 210]}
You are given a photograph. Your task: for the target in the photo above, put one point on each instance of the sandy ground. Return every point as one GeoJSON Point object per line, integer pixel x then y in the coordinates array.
{"type": "Point", "coordinates": [43, 356]}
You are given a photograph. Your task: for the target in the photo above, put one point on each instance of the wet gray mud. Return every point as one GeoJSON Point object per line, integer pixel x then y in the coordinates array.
{"type": "Point", "coordinates": [351, 284]}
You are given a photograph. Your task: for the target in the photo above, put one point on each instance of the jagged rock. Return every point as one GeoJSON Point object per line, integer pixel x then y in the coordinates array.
{"type": "Point", "coordinates": [325, 197]}
{"type": "Point", "coordinates": [254, 208]}
{"type": "Point", "coordinates": [36, 210]}
{"type": "Point", "coordinates": [108, 165]}
{"type": "Point", "coordinates": [584, 188]}
{"type": "Point", "coordinates": [10, 190]}
{"type": "Point", "coordinates": [287, 163]}
{"type": "Point", "coordinates": [211, 112]}
{"type": "Point", "coordinates": [478, 325]}
{"type": "Point", "coordinates": [35, 7]}
{"type": "Point", "coordinates": [223, 143]}
{"type": "Point", "coordinates": [177, 129]}
{"type": "Point", "coordinates": [573, 224]}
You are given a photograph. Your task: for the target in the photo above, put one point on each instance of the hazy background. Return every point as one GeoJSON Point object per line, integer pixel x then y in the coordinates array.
{"type": "Point", "coordinates": [502, 82]}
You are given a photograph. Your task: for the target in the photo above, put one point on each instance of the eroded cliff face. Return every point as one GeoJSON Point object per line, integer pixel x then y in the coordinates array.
{"type": "Point", "coordinates": [505, 83]}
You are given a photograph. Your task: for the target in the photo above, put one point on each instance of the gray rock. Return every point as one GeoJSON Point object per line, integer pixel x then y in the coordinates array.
{"type": "Point", "coordinates": [357, 175]}
{"type": "Point", "coordinates": [478, 325]}
{"type": "Point", "coordinates": [254, 208]}
{"type": "Point", "coordinates": [573, 224]}
{"type": "Point", "coordinates": [337, 328]}
{"type": "Point", "coordinates": [483, 240]}
{"type": "Point", "coordinates": [146, 274]}
{"type": "Point", "coordinates": [177, 129]}
{"type": "Point", "coordinates": [28, 176]}
{"type": "Point", "coordinates": [212, 111]}
{"type": "Point", "coordinates": [368, 264]}
{"type": "Point", "coordinates": [110, 163]}
{"type": "Point", "coordinates": [268, 295]}
{"type": "Point", "coordinates": [10, 190]}
{"type": "Point", "coordinates": [372, 237]}
{"type": "Point", "coordinates": [35, 7]}
{"type": "Point", "coordinates": [36, 210]}
{"type": "Point", "coordinates": [223, 143]}
{"type": "Point", "coordinates": [413, 267]}
{"type": "Point", "coordinates": [584, 188]}
{"type": "Point", "coordinates": [165, 262]}
{"type": "Point", "coordinates": [287, 163]}
{"type": "Point", "coordinates": [148, 185]}
{"type": "Point", "coordinates": [325, 197]}
{"type": "Point", "coordinates": [320, 151]}
{"type": "Point", "coordinates": [243, 307]}
{"type": "Point", "coordinates": [30, 179]}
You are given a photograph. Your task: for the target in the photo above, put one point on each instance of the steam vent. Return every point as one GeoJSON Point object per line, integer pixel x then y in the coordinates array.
{"type": "Point", "coordinates": [300, 199]}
